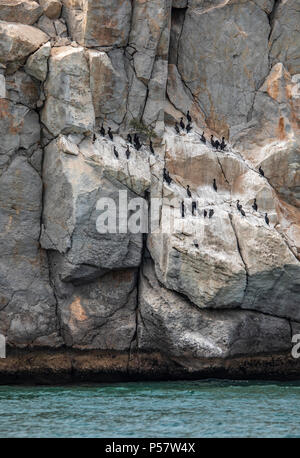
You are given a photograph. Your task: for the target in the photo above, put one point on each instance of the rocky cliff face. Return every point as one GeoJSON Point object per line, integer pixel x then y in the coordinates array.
{"type": "Point", "coordinates": [213, 296]}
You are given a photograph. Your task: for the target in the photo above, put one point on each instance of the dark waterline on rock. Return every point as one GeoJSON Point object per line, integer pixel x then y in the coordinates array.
{"type": "Point", "coordinates": [208, 408]}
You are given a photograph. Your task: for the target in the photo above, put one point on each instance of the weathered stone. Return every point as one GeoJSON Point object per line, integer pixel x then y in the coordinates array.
{"type": "Point", "coordinates": [98, 22]}
{"type": "Point", "coordinates": [284, 39]}
{"type": "Point", "coordinates": [172, 325]}
{"type": "Point", "coordinates": [217, 48]}
{"type": "Point", "coordinates": [47, 26]}
{"type": "Point", "coordinates": [69, 106]}
{"type": "Point", "coordinates": [70, 223]}
{"type": "Point", "coordinates": [17, 41]}
{"type": "Point", "coordinates": [100, 315]}
{"type": "Point", "coordinates": [28, 307]}
{"type": "Point", "coordinates": [21, 88]}
{"type": "Point", "coordinates": [51, 8]}
{"type": "Point", "coordinates": [37, 63]}
{"type": "Point", "coordinates": [24, 11]}
{"type": "Point", "coordinates": [108, 82]}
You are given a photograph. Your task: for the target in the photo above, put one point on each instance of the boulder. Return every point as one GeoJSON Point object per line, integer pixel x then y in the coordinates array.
{"type": "Point", "coordinates": [17, 41]}
{"type": "Point", "coordinates": [37, 63]}
{"type": "Point", "coordinates": [24, 11]}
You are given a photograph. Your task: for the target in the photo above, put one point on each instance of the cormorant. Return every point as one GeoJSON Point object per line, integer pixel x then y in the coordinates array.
{"type": "Point", "coordinates": [212, 141]}
{"type": "Point", "coordinates": [177, 128]}
{"type": "Point", "coordinates": [238, 206]}
{"type": "Point", "coordinates": [116, 153]}
{"type": "Point", "coordinates": [102, 131]}
{"type": "Point", "coordinates": [151, 148]}
{"type": "Point", "coordinates": [267, 219]}
{"type": "Point", "coordinates": [182, 209]}
{"type": "Point", "coordinates": [127, 152]}
{"type": "Point", "coordinates": [196, 244]}
{"type": "Point", "coordinates": [188, 127]}
{"type": "Point", "coordinates": [169, 179]}
{"type": "Point", "coordinates": [188, 116]}
{"type": "Point", "coordinates": [182, 125]}
{"type": "Point", "coordinates": [215, 185]}
{"type": "Point", "coordinates": [188, 191]}
{"type": "Point", "coordinates": [202, 138]}
{"type": "Point", "coordinates": [211, 212]}
{"type": "Point", "coordinates": [194, 206]}
{"type": "Point", "coordinates": [217, 144]}
{"type": "Point", "coordinates": [242, 212]}
{"type": "Point", "coordinates": [262, 173]}
{"type": "Point", "coordinates": [254, 206]}
{"type": "Point", "coordinates": [136, 138]}
{"type": "Point", "coordinates": [129, 139]}
{"type": "Point", "coordinates": [110, 133]}
{"type": "Point", "coordinates": [223, 144]}
{"type": "Point", "coordinates": [205, 213]}
{"type": "Point", "coordinates": [94, 138]}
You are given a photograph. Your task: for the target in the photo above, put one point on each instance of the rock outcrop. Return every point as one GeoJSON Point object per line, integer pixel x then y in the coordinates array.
{"type": "Point", "coordinates": [180, 285]}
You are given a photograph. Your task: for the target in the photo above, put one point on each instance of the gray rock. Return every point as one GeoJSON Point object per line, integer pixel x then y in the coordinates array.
{"type": "Point", "coordinates": [37, 63]}
{"type": "Point", "coordinates": [24, 11]}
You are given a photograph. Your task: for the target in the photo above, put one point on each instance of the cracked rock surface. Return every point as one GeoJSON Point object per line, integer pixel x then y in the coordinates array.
{"type": "Point", "coordinates": [199, 295]}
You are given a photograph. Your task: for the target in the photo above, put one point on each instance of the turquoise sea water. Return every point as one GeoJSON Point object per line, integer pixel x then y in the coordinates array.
{"type": "Point", "coordinates": [207, 408]}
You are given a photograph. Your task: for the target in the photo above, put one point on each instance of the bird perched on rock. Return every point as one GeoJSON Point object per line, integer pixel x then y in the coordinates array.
{"type": "Point", "coordinates": [262, 173]}
{"type": "Point", "coordinates": [166, 176]}
{"type": "Point", "coordinates": [194, 206]}
{"type": "Point", "coordinates": [205, 213]}
{"type": "Point", "coordinates": [223, 144]}
{"type": "Point", "coordinates": [102, 131]}
{"type": "Point", "coordinates": [202, 138]}
{"type": "Point", "coordinates": [182, 209]}
{"type": "Point", "coordinates": [254, 206]}
{"type": "Point", "coordinates": [267, 219]}
{"type": "Point", "coordinates": [242, 212]}
{"type": "Point", "coordinates": [217, 144]}
{"type": "Point", "coordinates": [129, 139]}
{"type": "Point", "coordinates": [116, 152]}
{"type": "Point", "coordinates": [212, 141]}
{"type": "Point", "coordinates": [188, 116]}
{"type": "Point", "coordinates": [151, 148]}
{"type": "Point", "coordinates": [127, 152]}
{"type": "Point", "coordinates": [188, 191]}
{"type": "Point", "coordinates": [94, 138]}
{"type": "Point", "coordinates": [188, 127]}
{"type": "Point", "coordinates": [238, 206]}
{"type": "Point", "coordinates": [215, 185]}
{"type": "Point", "coordinates": [211, 212]}
{"type": "Point", "coordinates": [196, 244]}
{"type": "Point", "coordinates": [177, 128]}
{"type": "Point", "coordinates": [182, 125]}
{"type": "Point", "coordinates": [110, 134]}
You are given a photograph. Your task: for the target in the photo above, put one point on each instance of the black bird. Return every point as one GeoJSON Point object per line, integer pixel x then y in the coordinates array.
{"type": "Point", "coordinates": [188, 116]}
{"type": "Point", "coordinates": [182, 125]}
{"type": "Point", "coordinates": [127, 152]}
{"type": "Point", "coordinates": [238, 206]}
{"type": "Point", "coordinates": [196, 244]}
{"type": "Point", "coordinates": [129, 139]}
{"type": "Point", "coordinates": [223, 144]}
{"type": "Point", "coordinates": [212, 141]}
{"type": "Point", "coordinates": [138, 146]}
{"type": "Point", "coordinates": [267, 219]}
{"type": "Point", "coordinates": [242, 212]}
{"type": "Point", "coordinates": [116, 153]}
{"type": "Point", "coordinates": [194, 206]}
{"type": "Point", "coordinates": [211, 212]}
{"type": "Point", "coordinates": [151, 148]}
{"type": "Point", "coordinates": [217, 144]}
{"type": "Point", "coordinates": [177, 128]}
{"type": "Point", "coordinates": [94, 138]}
{"type": "Point", "coordinates": [110, 133]}
{"type": "Point", "coordinates": [188, 191]}
{"type": "Point", "coordinates": [215, 185]}
{"type": "Point", "coordinates": [254, 206]}
{"type": "Point", "coordinates": [166, 176]}
{"type": "Point", "coordinates": [102, 131]}
{"type": "Point", "coordinates": [182, 209]}
{"type": "Point", "coordinates": [188, 127]}
{"type": "Point", "coordinates": [202, 138]}
{"type": "Point", "coordinates": [262, 173]}
{"type": "Point", "coordinates": [136, 138]}
{"type": "Point", "coordinates": [169, 179]}
{"type": "Point", "coordinates": [205, 213]}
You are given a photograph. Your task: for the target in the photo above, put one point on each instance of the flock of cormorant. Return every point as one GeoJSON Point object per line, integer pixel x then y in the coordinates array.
{"type": "Point", "coordinates": [135, 141]}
